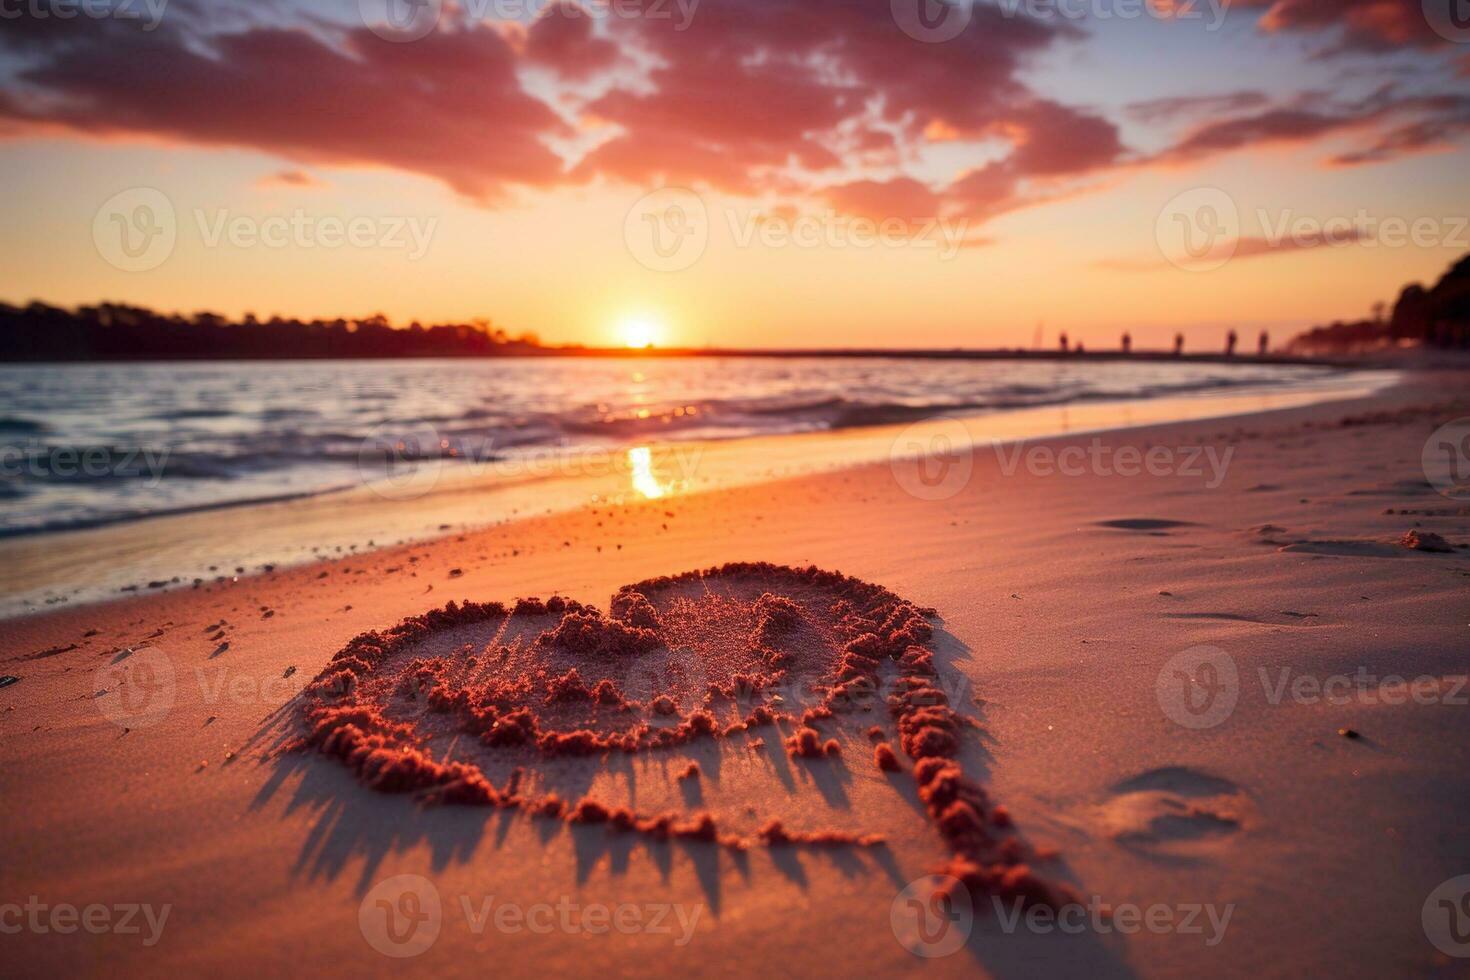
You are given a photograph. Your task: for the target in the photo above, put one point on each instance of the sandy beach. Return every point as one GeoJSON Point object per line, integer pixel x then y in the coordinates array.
{"type": "Point", "coordinates": [1221, 701]}
{"type": "Point", "coordinates": [735, 488]}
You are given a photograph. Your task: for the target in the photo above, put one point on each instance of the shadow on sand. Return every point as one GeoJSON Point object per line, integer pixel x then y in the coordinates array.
{"type": "Point", "coordinates": [354, 830]}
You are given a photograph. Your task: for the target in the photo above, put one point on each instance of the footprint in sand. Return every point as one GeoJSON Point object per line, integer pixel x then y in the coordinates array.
{"type": "Point", "coordinates": [1175, 811]}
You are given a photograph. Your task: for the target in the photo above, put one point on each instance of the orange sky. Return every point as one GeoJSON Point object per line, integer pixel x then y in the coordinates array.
{"type": "Point", "coordinates": [812, 176]}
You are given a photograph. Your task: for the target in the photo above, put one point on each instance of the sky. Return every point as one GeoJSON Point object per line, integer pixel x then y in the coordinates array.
{"type": "Point", "coordinates": [740, 173]}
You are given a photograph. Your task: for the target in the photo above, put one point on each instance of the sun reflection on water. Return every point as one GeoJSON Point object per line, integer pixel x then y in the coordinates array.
{"type": "Point", "coordinates": [640, 472]}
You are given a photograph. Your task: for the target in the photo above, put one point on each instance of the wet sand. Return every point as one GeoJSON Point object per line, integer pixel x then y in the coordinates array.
{"type": "Point", "coordinates": [37, 572]}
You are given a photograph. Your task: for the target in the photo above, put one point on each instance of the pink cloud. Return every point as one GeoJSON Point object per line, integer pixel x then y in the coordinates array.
{"type": "Point", "coordinates": [819, 100]}
{"type": "Point", "coordinates": [563, 37]}
{"type": "Point", "coordinates": [448, 106]}
{"type": "Point", "coordinates": [1364, 25]}
{"type": "Point", "coordinates": [1400, 126]}
{"type": "Point", "coordinates": [1248, 248]}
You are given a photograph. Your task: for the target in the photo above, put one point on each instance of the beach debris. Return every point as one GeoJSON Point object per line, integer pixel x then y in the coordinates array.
{"type": "Point", "coordinates": [8, 679]}
{"type": "Point", "coordinates": [1348, 733]}
{"type": "Point", "coordinates": [1425, 541]}
{"type": "Point", "coordinates": [691, 771]}
{"type": "Point", "coordinates": [289, 671]}
{"type": "Point", "coordinates": [456, 572]}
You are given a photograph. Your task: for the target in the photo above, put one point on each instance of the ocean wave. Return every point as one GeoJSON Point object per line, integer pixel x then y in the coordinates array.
{"type": "Point", "coordinates": [254, 430]}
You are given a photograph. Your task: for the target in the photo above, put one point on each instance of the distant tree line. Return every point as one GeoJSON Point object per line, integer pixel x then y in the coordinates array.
{"type": "Point", "coordinates": [1435, 317]}
{"type": "Point", "coordinates": [116, 332]}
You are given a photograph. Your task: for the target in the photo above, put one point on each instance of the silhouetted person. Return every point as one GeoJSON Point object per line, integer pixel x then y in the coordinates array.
{"type": "Point", "coordinates": [1264, 346]}
{"type": "Point", "coordinates": [1179, 345]}
{"type": "Point", "coordinates": [1081, 347]}
{"type": "Point", "coordinates": [1127, 343]}
{"type": "Point", "coordinates": [1230, 340]}
{"type": "Point", "coordinates": [1064, 342]}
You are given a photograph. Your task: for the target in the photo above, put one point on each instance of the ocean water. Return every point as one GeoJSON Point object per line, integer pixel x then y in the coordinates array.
{"type": "Point", "coordinates": [82, 445]}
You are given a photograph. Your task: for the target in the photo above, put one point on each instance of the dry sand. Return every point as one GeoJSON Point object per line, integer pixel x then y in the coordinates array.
{"type": "Point", "coordinates": [1066, 605]}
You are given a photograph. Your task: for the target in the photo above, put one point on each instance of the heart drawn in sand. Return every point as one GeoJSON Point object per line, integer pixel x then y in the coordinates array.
{"type": "Point", "coordinates": [496, 705]}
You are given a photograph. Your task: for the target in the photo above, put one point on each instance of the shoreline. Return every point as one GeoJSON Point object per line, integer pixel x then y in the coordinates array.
{"type": "Point", "coordinates": [1345, 361]}
{"type": "Point", "coordinates": [1063, 604]}
{"type": "Point", "coordinates": [192, 546]}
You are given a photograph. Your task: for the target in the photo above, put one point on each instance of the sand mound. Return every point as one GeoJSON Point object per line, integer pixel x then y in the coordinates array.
{"type": "Point", "coordinates": [479, 703]}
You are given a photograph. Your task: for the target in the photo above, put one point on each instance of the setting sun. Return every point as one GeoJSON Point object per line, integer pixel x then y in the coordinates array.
{"type": "Point", "coordinates": [639, 332]}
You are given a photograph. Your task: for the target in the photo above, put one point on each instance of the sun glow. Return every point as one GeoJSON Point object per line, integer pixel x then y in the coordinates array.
{"type": "Point", "coordinates": [639, 332]}
{"type": "Point", "coordinates": [640, 471]}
